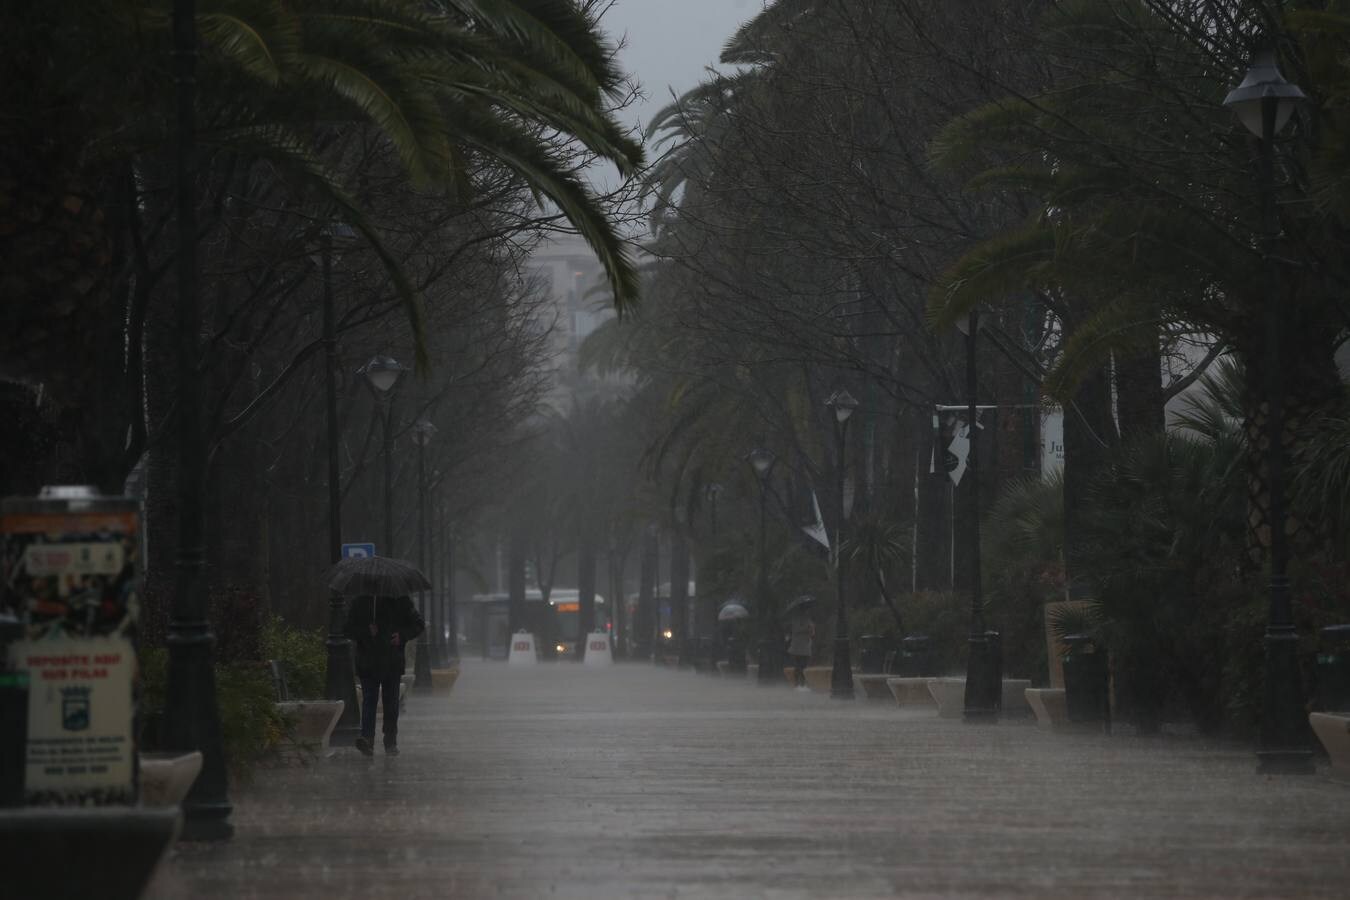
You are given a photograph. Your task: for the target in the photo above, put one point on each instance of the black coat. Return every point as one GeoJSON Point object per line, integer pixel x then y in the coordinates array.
{"type": "Point", "coordinates": [375, 656]}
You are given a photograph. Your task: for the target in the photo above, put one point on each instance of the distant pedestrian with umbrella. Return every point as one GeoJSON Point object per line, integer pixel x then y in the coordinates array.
{"type": "Point", "coordinates": [380, 623]}
{"type": "Point", "coordinates": [801, 632]}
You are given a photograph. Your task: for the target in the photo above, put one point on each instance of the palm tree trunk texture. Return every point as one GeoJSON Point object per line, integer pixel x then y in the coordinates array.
{"type": "Point", "coordinates": [645, 621]}
{"type": "Point", "coordinates": [1089, 435]}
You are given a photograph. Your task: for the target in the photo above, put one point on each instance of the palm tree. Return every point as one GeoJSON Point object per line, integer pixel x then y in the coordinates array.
{"type": "Point", "coordinates": [510, 81]}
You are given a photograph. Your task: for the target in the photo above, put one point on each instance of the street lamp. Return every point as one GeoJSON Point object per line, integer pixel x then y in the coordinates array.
{"type": "Point", "coordinates": [339, 684]}
{"type": "Point", "coordinates": [191, 714]}
{"type": "Point", "coordinates": [422, 433]}
{"type": "Point", "coordinates": [382, 373]}
{"type": "Point", "coordinates": [770, 659]}
{"type": "Point", "coordinates": [1264, 102]}
{"type": "Point", "coordinates": [841, 675]}
{"type": "Point", "coordinates": [984, 689]}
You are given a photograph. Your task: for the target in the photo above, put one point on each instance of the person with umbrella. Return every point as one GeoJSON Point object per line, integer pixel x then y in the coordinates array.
{"type": "Point", "coordinates": [380, 623]}
{"type": "Point", "coordinates": [801, 631]}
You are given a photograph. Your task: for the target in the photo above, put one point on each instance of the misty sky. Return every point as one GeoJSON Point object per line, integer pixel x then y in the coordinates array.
{"type": "Point", "coordinates": [670, 42]}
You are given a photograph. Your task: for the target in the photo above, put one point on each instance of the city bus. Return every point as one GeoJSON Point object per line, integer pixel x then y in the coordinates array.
{"type": "Point", "coordinates": [556, 628]}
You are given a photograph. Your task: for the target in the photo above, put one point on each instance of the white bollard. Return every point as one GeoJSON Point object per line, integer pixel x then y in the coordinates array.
{"type": "Point", "coordinates": [522, 649]}
{"type": "Point", "coordinates": [598, 651]}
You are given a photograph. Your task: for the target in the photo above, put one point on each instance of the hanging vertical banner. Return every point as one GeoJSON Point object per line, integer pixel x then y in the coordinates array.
{"type": "Point", "coordinates": [1052, 440]}
{"type": "Point", "coordinates": [71, 561]}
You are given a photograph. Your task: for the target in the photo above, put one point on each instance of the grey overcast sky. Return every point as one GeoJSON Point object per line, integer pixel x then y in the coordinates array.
{"type": "Point", "coordinates": [668, 43]}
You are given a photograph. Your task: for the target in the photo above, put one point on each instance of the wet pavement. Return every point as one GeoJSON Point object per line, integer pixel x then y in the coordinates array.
{"type": "Point", "coordinates": [636, 781]}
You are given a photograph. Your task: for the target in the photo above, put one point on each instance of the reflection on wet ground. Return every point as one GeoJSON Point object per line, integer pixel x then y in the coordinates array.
{"type": "Point", "coordinates": [560, 781]}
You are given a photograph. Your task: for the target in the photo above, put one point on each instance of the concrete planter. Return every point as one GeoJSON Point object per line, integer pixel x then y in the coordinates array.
{"type": "Point", "coordinates": [873, 687]}
{"type": "Point", "coordinates": [442, 680]}
{"type": "Point", "coordinates": [910, 692]}
{"type": "Point", "coordinates": [96, 851]}
{"type": "Point", "coordinates": [166, 778]}
{"type": "Point", "coordinates": [950, 696]}
{"type": "Point", "coordinates": [1049, 706]}
{"type": "Point", "coordinates": [818, 678]}
{"type": "Point", "coordinates": [1333, 730]}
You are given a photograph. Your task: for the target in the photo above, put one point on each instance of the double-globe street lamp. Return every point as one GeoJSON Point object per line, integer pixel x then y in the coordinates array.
{"type": "Point", "coordinates": [339, 683]}
{"type": "Point", "coordinates": [770, 641]}
{"type": "Point", "coordinates": [1264, 103]}
{"type": "Point", "coordinates": [841, 402]}
{"type": "Point", "coordinates": [422, 433]}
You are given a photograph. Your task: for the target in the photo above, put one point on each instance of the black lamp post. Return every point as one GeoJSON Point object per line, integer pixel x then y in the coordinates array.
{"type": "Point", "coordinates": [423, 431]}
{"type": "Point", "coordinates": [191, 717]}
{"type": "Point", "coordinates": [382, 373]}
{"type": "Point", "coordinates": [841, 675]}
{"type": "Point", "coordinates": [1264, 103]}
{"type": "Point", "coordinates": [339, 681]}
{"type": "Point", "coordinates": [983, 694]}
{"type": "Point", "coordinates": [770, 658]}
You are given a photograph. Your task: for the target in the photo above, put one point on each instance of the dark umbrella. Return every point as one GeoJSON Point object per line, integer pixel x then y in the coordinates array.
{"type": "Point", "coordinates": [805, 601]}
{"type": "Point", "coordinates": [378, 576]}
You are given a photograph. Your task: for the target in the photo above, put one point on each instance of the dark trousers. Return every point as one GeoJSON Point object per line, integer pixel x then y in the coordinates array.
{"type": "Point", "coordinates": [383, 688]}
{"type": "Point", "coordinates": [799, 669]}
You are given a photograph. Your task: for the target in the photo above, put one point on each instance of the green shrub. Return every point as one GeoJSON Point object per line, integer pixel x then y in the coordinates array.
{"type": "Point", "coordinates": [304, 653]}
{"type": "Point", "coordinates": [251, 725]}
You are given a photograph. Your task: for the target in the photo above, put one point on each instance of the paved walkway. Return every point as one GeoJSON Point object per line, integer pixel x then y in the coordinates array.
{"type": "Point", "coordinates": [636, 781]}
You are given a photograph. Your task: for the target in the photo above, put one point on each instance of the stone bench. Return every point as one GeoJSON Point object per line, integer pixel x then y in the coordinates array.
{"type": "Point", "coordinates": [910, 691]}
{"type": "Point", "coordinates": [442, 680]}
{"type": "Point", "coordinates": [312, 721]}
{"type": "Point", "coordinates": [1049, 705]}
{"type": "Point", "coordinates": [818, 678]}
{"type": "Point", "coordinates": [873, 687]}
{"type": "Point", "coordinates": [1015, 697]}
{"type": "Point", "coordinates": [166, 778]}
{"type": "Point", "coordinates": [1333, 730]}
{"type": "Point", "coordinates": [950, 696]}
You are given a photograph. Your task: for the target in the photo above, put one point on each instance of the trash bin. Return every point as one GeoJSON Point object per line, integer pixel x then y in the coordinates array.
{"type": "Point", "coordinates": [1086, 689]}
{"type": "Point", "coordinates": [871, 654]}
{"type": "Point", "coordinates": [915, 658]}
{"type": "Point", "coordinates": [1333, 669]}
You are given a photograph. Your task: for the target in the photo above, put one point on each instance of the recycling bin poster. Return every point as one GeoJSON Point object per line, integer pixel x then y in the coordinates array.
{"type": "Point", "coordinates": [71, 576]}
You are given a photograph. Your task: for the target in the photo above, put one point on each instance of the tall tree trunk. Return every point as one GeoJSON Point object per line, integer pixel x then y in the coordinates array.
{"type": "Point", "coordinates": [517, 547]}
{"type": "Point", "coordinates": [644, 624]}
{"type": "Point", "coordinates": [1089, 435]}
{"type": "Point", "coordinates": [585, 590]}
{"type": "Point", "coordinates": [679, 593]}
{"type": "Point", "coordinates": [1139, 394]}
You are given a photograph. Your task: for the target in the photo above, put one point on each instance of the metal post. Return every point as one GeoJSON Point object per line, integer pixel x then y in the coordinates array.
{"type": "Point", "coordinates": [452, 639]}
{"type": "Point", "coordinates": [982, 694]}
{"type": "Point", "coordinates": [422, 654]}
{"type": "Point", "coordinates": [388, 475]}
{"type": "Point", "coordinates": [191, 718]}
{"type": "Point", "coordinates": [1284, 746]}
{"type": "Point", "coordinates": [841, 675]}
{"type": "Point", "coordinates": [340, 680]}
{"type": "Point", "coordinates": [770, 662]}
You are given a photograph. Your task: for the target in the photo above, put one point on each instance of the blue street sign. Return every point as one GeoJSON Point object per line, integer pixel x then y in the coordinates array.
{"type": "Point", "coordinates": [357, 551]}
